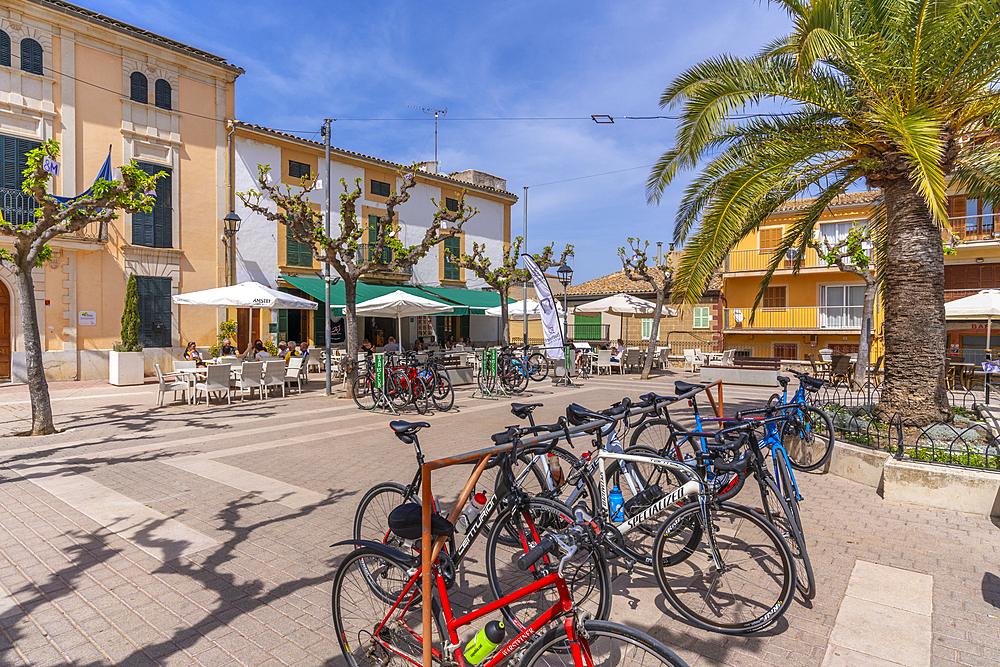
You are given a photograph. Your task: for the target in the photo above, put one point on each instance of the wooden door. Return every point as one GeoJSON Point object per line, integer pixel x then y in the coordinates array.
{"type": "Point", "coordinates": [242, 328]}
{"type": "Point", "coordinates": [5, 307]}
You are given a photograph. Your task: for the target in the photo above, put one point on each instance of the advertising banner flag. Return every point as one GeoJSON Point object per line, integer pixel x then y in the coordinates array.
{"type": "Point", "coordinates": [550, 317]}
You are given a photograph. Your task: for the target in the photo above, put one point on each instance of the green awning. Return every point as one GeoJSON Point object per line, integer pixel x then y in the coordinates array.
{"type": "Point", "coordinates": [315, 288]}
{"type": "Point", "coordinates": [475, 302]}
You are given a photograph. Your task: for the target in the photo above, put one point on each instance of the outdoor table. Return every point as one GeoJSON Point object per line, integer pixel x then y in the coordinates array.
{"type": "Point", "coordinates": [963, 368]}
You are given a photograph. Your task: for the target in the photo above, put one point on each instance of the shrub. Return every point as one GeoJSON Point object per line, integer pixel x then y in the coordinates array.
{"type": "Point", "coordinates": [130, 320]}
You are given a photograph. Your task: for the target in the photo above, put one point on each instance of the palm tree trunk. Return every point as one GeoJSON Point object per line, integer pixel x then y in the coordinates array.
{"type": "Point", "coordinates": [654, 335]}
{"type": "Point", "coordinates": [915, 335]}
{"type": "Point", "coordinates": [38, 387]}
{"type": "Point", "coordinates": [351, 323]}
{"type": "Point", "coordinates": [864, 340]}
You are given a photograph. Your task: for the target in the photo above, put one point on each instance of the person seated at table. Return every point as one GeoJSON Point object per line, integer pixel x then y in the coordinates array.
{"type": "Point", "coordinates": [467, 342]}
{"type": "Point", "coordinates": [282, 349]}
{"type": "Point", "coordinates": [618, 351]}
{"type": "Point", "coordinates": [450, 343]}
{"type": "Point", "coordinates": [292, 351]}
{"type": "Point", "coordinates": [418, 345]}
{"type": "Point", "coordinates": [304, 349]}
{"type": "Point", "coordinates": [256, 352]}
{"type": "Point", "coordinates": [366, 346]}
{"type": "Point", "coordinates": [227, 349]}
{"type": "Point", "coordinates": [191, 353]}
{"type": "Point", "coordinates": [392, 345]}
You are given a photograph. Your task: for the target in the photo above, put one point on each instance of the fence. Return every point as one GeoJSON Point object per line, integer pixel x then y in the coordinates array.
{"type": "Point", "coordinates": [799, 317]}
{"type": "Point", "coordinates": [367, 252]}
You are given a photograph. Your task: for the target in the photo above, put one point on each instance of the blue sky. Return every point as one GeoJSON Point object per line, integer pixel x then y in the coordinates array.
{"type": "Point", "coordinates": [306, 61]}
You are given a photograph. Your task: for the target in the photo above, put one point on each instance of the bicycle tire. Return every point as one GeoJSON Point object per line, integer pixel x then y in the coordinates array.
{"type": "Point", "coordinates": [371, 519]}
{"type": "Point", "coordinates": [513, 378]}
{"type": "Point", "coordinates": [362, 391]}
{"type": "Point", "coordinates": [398, 389]}
{"type": "Point", "coordinates": [805, 578]}
{"type": "Point", "coordinates": [443, 394]}
{"type": "Point", "coordinates": [660, 434]}
{"type": "Point", "coordinates": [539, 365]}
{"type": "Point", "coordinates": [421, 395]}
{"type": "Point", "coordinates": [565, 492]}
{"type": "Point", "coordinates": [358, 606]}
{"type": "Point", "coordinates": [714, 600]}
{"type": "Point", "coordinates": [809, 441]}
{"type": "Point", "coordinates": [632, 648]}
{"type": "Point", "coordinates": [587, 575]}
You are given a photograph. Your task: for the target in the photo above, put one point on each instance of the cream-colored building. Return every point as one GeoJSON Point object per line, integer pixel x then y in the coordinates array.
{"type": "Point", "coordinates": [90, 83]}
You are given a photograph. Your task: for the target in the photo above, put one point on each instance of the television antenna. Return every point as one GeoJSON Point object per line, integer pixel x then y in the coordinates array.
{"type": "Point", "coordinates": [436, 112]}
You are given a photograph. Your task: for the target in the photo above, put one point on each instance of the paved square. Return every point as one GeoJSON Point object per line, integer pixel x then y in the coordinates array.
{"type": "Point", "coordinates": [200, 535]}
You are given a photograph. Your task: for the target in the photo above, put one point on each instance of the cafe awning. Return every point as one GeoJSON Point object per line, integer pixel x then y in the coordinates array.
{"type": "Point", "coordinates": [315, 288]}
{"type": "Point", "coordinates": [475, 302]}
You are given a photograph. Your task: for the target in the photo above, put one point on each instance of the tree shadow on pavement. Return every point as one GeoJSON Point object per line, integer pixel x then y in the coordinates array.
{"type": "Point", "coordinates": [991, 589]}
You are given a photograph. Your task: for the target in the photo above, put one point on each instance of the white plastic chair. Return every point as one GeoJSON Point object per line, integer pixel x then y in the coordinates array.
{"type": "Point", "coordinates": [293, 371]}
{"type": "Point", "coordinates": [274, 376]}
{"type": "Point", "coordinates": [216, 381]}
{"type": "Point", "coordinates": [171, 384]}
{"type": "Point", "coordinates": [691, 360]}
{"type": "Point", "coordinates": [632, 358]}
{"type": "Point", "coordinates": [250, 378]}
{"type": "Point", "coordinates": [180, 365]}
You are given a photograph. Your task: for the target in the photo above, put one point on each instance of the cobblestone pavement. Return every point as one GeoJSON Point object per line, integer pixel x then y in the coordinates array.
{"type": "Point", "coordinates": [200, 535]}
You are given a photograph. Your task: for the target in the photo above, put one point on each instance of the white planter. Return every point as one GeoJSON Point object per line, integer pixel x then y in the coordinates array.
{"type": "Point", "coordinates": [125, 368]}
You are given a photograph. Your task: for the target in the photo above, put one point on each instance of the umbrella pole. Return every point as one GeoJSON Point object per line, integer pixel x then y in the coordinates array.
{"type": "Point", "coordinates": [989, 326]}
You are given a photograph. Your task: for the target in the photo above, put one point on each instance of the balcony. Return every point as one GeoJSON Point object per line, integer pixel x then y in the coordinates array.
{"type": "Point", "coordinates": [954, 294]}
{"type": "Point", "coordinates": [810, 318]}
{"type": "Point", "coordinates": [758, 260]}
{"type": "Point", "coordinates": [18, 208]}
{"type": "Point", "coordinates": [975, 227]}
{"type": "Point", "coordinates": [367, 252]}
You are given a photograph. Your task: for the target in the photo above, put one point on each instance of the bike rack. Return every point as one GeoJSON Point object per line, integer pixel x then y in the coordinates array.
{"type": "Point", "coordinates": [381, 399]}
{"type": "Point", "coordinates": [429, 550]}
{"type": "Point", "coordinates": [487, 367]}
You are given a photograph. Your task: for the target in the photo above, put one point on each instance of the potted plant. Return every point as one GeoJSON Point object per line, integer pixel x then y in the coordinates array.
{"type": "Point", "coordinates": [126, 363]}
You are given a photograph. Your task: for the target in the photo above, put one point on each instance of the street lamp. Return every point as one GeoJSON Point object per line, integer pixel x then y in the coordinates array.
{"type": "Point", "coordinates": [565, 273]}
{"type": "Point", "coordinates": [232, 226]}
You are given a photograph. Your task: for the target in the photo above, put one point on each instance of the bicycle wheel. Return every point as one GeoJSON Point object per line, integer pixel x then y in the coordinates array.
{"type": "Point", "coordinates": [441, 391]}
{"type": "Point", "coordinates": [362, 392]}
{"type": "Point", "coordinates": [538, 364]}
{"type": "Point", "coordinates": [399, 390]}
{"type": "Point", "coordinates": [789, 525]}
{"type": "Point", "coordinates": [371, 628]}
{"type": "Point", "coordinates": [608, 644]}
{"type": "Point", "coordinates": [807, 436]}
{"type": "Point", "coordinates": [753, 590]}
{"type": "Point", "coordinates": [487, 383]}
{"type": "Point", "coordinates": [371, 520]}
{"type": "Point", "coordinates": [421, 395]}
{"type": "Point", "coordinates": [586, 574]}
{"type": "Point", "coordinates": [568, 483]}
{"type": "Point", "coordinates": [660, 435]}
{"type": "Point", "coordinates": [513, 377]}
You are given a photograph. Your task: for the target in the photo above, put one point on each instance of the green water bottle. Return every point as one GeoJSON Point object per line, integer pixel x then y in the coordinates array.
{"type": "Point", "coordinates": [484, 642]}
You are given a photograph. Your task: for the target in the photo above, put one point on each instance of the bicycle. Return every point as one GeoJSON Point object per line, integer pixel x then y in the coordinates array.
{"type": "Point", "coordinates": [365, 388]}
{"type": "Point", "coordinates": [809, 438]}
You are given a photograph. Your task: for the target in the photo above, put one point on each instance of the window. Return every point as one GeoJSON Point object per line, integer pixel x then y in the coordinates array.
{"type": "Point", "coordinates": [786, 350]}
{"type": "Point", "coordinates": [702, 317]}
{"type": "Point", "coordinates": [154, 311]}
{"type": "Point", "coordinates": [4, 49]}
{"type": "Point", "coordinates": [31, 56]}
{"type": "Point", "coordinates": [296, 254]}
{"type": "Point", "coordinates": [155, 228]}
{"type": "Point", "coordinates": [647, 327]}
{"type": "Point", "coordinates": [770, 237]}
{"type": "Point", "coordinates": [451, 204]}
{"type": "Point", "coordinates": [17, 205]}
{"type": "Point", "coordinates": [161, 94]}
{"type": "Point", "coordinates": [138, 88]}
{"type": "Point", "coordinates": [841, 306]}
{"type": "Point", "coordinates": [774, 297]}
{"type": "Point", "coordinates": [452, 247]}
{"type": "Point", "coordinates": [298, 169]}
{"type": "Point", "coordinates": [381, 189]}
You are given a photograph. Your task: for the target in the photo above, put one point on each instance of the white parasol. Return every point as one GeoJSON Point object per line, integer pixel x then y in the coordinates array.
{"type": "Point", "coordinates": [401, 304]}
{"type": "Point", "coordinates": [982, 306]}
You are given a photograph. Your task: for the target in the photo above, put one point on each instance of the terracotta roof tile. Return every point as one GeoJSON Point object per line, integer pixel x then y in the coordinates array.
{"type": "Point", "coordinates": [394, 165]}
{"type": "Point", "coordinates": [846, 199]}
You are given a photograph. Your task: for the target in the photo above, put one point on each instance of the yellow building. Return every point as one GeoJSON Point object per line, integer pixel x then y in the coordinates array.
{"type": "Point", "coordinates": [818, 308]}
{"type": "Point", "coordinates": [90, 82]}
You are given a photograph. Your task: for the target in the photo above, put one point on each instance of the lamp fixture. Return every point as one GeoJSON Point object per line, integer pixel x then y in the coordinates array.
{"type": "Point", "coordinates": [565, 273]}
{"type": "Point", "coordinates": [232, 224]}
{"type": "Point", "coordinates": [979, 260]}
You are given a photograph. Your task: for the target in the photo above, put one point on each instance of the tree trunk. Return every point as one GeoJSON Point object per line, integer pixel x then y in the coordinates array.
{"type": "Point", "coordinates": [38, 387]}
{"type": "Point", "coordinates": [914, 330]}
{"type": "Point", "coordinates": [351, 322]}
{"type": "Point", "coordinates": [504, 316]}
{"type": "Point", "coordinates": [654, 336]}
{"type": "Point", "coordinates": [864, 340]}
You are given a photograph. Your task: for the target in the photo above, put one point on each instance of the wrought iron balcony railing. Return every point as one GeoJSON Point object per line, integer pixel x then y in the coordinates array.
{"type": "Point", "coordinates": [18, 208]}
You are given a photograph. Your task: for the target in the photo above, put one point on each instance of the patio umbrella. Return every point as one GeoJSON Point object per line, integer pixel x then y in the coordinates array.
{"type": "Point", "coordinates": [401, 304]}
{"type": "Point", "coordinates": [534, 310]}
{"type": "Point", "coordinates": [623, 304]}
{"type": "Point", "coordinates": [982, 306]}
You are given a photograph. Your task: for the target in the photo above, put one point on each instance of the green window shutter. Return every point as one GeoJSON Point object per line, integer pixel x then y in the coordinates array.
{"type": "Point", "coordinates": [154, 311]}
{"type": "Point", "coordinates": [702, 317]}
{"type": "Point", "coordinates": [463, 327]}
{"type": "Point", "coordinates": [296, 254]}
{"type": "Point", "coordinates": [647, 328]}
{"type": "Point", "coordinates": [4, 49]}
{"type": "Point", "coordinates": [451, 270]}
{"type": "Point", "coordinates": [154, 228]}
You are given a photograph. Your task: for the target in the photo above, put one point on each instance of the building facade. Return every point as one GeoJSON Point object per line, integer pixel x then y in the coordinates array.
{"type": "Point", "coordinates": [267, 253]}
{"type": "Point", "coordinates": [91, 83]}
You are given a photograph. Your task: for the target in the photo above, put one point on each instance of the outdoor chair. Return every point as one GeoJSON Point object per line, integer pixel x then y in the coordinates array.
{"type": "Point", "coordinates": [169, 383]}
{"type": "Point", "coordinates": [293, 372]}
{"type": "Point", "coordinates": [250, 378]}
{"type": "Point", "coordinates": [826, 354]}
{"type": "Point", "coordinates": [818, 371]}
{"type": "Point", "coordinates": [632, 358]}
{"type": "Point", "coordinates": [876, 372]}
{"type": "Point", "coordinates": [726, 359]}
{"type": "Point", "coordinates": [603, 361]}
{"type": "Point", "coordinates": [185, 365]}
{"type": "Point", "coordinates": [691, 360]}
{"type": "Point", "coordinates": [840, 369]}
{"type": "Point", "coordinates": [314, 360]}
{"type": "Point", "coordinates": [216, 381]}
{"type": "Point", "coordinates": [274, 376]}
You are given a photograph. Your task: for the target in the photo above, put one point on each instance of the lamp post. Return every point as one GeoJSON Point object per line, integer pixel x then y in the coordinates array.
{"type": "Point", "coordinates": [565, 273]}
{"type": "Point", "coordinates": [232, 226]}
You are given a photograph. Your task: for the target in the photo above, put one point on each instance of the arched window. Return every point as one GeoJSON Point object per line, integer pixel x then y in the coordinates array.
{"type": "Point", "coordinates": [31, 56]}
{"type": "Point", "coordinates": [4, 49]}
{"type": "Point", "coordinates": [162, 94]}
{"type": "Point", "coordinates": [139, 88]}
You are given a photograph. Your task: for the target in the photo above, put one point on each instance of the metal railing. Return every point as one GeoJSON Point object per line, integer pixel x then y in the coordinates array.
{"type": "Point", "coordinates": [759, 259]}
{"type": "Point", "coordinates": [367, 252]}
{"type": "Point", "coordinates": [975, 227]}
{"type": "Point", "coordinates": [953, 294]}
{"type": "Point", "coordinates": [809, 317]}
{"type": "Point", "coordinates": [18, 208]}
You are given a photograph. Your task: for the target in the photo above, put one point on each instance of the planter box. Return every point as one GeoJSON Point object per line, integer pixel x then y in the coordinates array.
{"type": "Point", "coordinates": [125, 368]}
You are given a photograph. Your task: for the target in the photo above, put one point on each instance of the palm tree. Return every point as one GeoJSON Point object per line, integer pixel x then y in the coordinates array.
{"type": "Point", "coordinates": [900, 94]}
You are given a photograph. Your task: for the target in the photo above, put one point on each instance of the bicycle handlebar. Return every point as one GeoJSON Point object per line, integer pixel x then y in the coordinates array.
{"type": "Point", "coordinates": [544, 546]}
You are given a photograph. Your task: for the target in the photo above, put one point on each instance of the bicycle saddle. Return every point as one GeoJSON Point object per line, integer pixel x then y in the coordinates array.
{"type": "Point", "coordinates": [782, 380]}
{"type": "Point", "coordinates": [522, 410]}
{"type": "Point", "coordinates": [811, 383]}
{"type": "Point", "coordinates": [577, 415]}
{"type": "Point", "coordinates": [406, 430]}
{"type": "Point", "coordinates": [405, 522]}
{"type": "Point", "coordinates": [681, 387]}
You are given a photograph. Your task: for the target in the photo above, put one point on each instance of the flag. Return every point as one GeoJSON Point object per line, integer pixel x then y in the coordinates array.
{"type": "Point", "coordinates": [551, 326]}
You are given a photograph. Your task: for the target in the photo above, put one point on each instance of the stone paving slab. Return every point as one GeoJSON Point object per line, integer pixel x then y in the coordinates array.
{"type": "Point", "coordinates": [75, 592]}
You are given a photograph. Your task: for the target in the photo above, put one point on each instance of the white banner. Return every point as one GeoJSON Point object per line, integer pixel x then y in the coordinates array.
{"type": "Point", "coordinates": [551, 326]}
